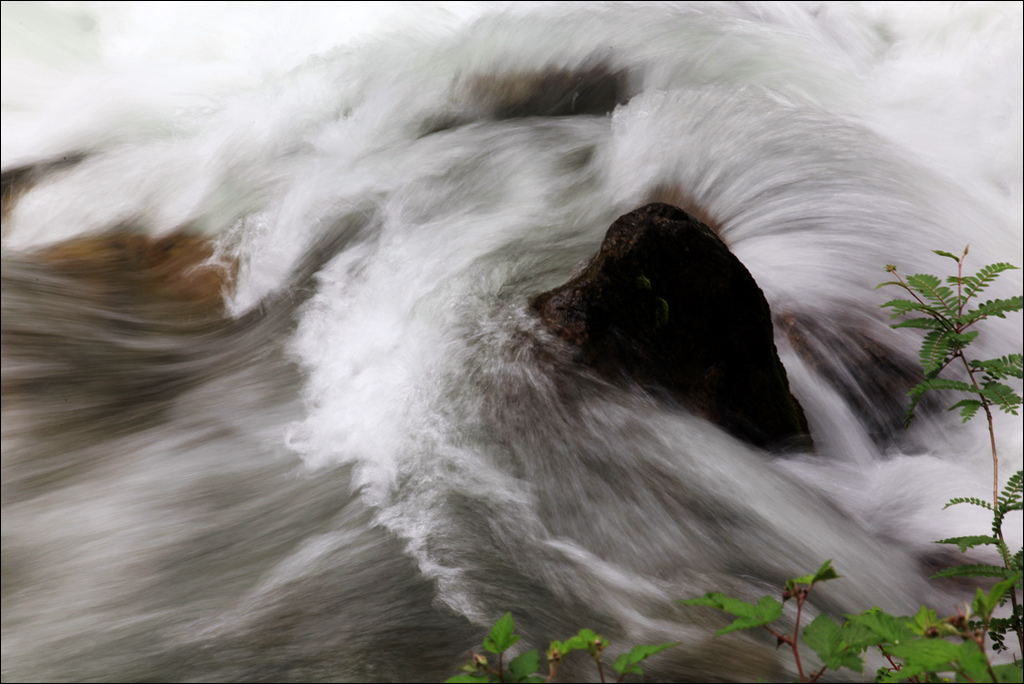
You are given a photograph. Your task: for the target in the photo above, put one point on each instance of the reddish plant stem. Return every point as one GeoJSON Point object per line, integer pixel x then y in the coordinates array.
{"type": "Point", "coordinates": [896, 666]}
{"type": "Point", "coordinates": [792, 639]}
{"type": "Point", "coordinates": [800, 598]}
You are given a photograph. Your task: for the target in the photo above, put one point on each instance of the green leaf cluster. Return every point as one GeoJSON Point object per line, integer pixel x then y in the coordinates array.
{"type": "Point", "coordinates": [944, 311]}
{"type": "Point", "coordinates": [526, 666]}
{"type": "Point", "coordinates": [1009, 501]}
{"type": "Point", "coordinates": [921, 647]}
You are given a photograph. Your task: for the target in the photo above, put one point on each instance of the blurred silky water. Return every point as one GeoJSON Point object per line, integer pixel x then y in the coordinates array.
{"type": "Point", "coordinates": [275, 406]}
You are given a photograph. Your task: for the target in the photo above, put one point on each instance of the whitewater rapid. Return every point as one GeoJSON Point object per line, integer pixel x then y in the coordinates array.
{"type": "Point", "coordinates": [379, 450]}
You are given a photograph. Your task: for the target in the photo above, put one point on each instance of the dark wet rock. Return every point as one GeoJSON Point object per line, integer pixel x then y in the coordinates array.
{"type": "Point", "coordinates": [872, 376]}
{"type": "Point", "coordinates": [552, 92]}
{"type": "Point", "coordinates": [677, 196]}
{"type": "Point", "coordinates": [594, 89]}
{"type": "Point", "coordinates": [665, 304]}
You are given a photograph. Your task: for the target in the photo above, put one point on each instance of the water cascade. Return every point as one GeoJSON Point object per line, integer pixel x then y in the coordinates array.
{"type": "Point", "coordinates": [275, 406]}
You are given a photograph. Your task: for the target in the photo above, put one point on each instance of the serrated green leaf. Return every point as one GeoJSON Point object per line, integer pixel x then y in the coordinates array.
{"type": "Point", "coordinates": [524, 665]}
{"type": "Point", "coordinates": [972, 662]}
{"type": "Point", "coordinates": [1010, 673]}
{"type": "Point", "coordinates": [890, 628]}
{"type": "Point", "coordinates": [826, 638]}
{"type": "Point", "coordinates": [985, 604]}
{"type": "Point", "coordinates": [748, 615]}
{"type": "Point", "coordinates": [925, 655]}
{"type": "Point", "coordinates": [627, 662]}
{"type": "Point", "coordinates": [970, 541]}
{"type": "Point", "coordinates": [501, 637]}
{"type": "Point", "coordinates": [924, 618]}
{"type": "Point", "coordinates": [822, 574]}
{"type": "Point", "coordinates": [586, 640]}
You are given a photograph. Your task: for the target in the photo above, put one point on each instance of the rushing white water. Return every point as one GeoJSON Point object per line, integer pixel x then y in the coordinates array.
{"type": "Point", "coordinates": [383, 450]}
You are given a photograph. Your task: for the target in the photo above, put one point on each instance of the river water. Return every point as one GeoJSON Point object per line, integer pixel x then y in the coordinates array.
{"type": "Point", "coordinates": [380, 450]}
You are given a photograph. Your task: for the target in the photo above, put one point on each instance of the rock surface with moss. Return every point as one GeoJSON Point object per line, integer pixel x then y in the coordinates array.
{"type": "Point", "coordinates": [664, 304]}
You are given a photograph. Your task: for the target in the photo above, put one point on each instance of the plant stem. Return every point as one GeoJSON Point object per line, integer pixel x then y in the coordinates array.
{"type": "Point", "coordinates": [985, 404]}
{"type": "Point", "coordinates": [801, 596]}
{"type": "Point", "coordinates": [896, 666]}
{"type": "Point", "coordinates": [817, 675]}
{"type": "Point", "coordinates": [1017, 627]}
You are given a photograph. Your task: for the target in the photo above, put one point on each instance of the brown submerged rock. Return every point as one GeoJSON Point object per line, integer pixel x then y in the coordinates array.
{"type": "Point", "coordinates": [590, 89]}
{"type": "Point", "coordinates": [594, 89]}
{"type": "Point", "coordinates": [666, 305]}
{"type": "Point", "coordinates": [866, 369]}
{"type": "Point", "coordinates": [128, 266]}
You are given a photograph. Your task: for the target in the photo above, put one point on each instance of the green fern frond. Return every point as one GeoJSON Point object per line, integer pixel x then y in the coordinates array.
{"type": "Point", "coordinates": [1005, 553]}
{"type": "Point", "coordinates": [1002, 396]}
{"type": "Point", "coordinates": [1014, 489]}
{"type": "Point", "coordinates": [901, 307]}
{"type": "Point", "coordinates": [969, 318]}
{"type": "Point", "coordinates": [930, 287]}
{"type": "Point", "coordinates": [974, 570]}
{"type": "Point", "coordinates": [999, 514]}
{"type": "Point", "coordinates": [985, 276]}
{"type": "Point", "coordinates": [970, 541]}
{"type": "Point", "coordinates": [967, 282]}
{"type": "Point", "coordinates": [927, 323]}
{"type": "Point", "coordinates": [948, 255]}
{"type": "Point", "coordinates": [934, 351]}
{"type": "Point", "coordinates": [945, 384]}
{"type": "Point", "coordinates": [968, 500]}
{"type": "Point", "coordinates": [963, 339]}
{"type": "Point", "coordinates": [1000, 307]}
{"type": "Point", "coordinates": [1009, 366]}
{"type": "Point", "coordinates": [968, 408]}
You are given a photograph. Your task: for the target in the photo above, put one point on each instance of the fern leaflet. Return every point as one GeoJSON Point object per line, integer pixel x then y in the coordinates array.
{"type": "Point", "coordinates": [984, 277]}
{"type": "Point", "coordinates": [975, 570]}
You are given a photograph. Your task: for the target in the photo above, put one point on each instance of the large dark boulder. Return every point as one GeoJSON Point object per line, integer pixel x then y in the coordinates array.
{"type": "Point", "coordinates": [666, 305]}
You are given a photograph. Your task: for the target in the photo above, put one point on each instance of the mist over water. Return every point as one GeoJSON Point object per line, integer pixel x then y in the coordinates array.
{"type": "Point", "coordinates": [330, 441]}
